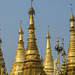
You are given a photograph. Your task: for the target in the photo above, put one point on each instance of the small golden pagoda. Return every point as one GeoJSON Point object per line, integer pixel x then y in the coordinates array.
{"type": "Point", "coordinates": [33, 65]}
{"type": "Point", "coordinates": [18, 65]}
{"type": "Point", "coordinates": [48, 61]}
{"type": "Point", "coordinates": [71, 49]}
{"type": "Point", "coordinates": [3, 70]}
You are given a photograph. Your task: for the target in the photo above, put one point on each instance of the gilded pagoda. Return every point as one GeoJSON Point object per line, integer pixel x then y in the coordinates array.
{"type": "Point", "coordinates": [33, 64]}
{"type": "Point", "coordinates": [70, 62]}
{"type": "Point", "coordinates": [71, 49]}
{"type": "Point", "coordinates": [49, 61]}
{"type": "Point", "coordinates": [18, 65]}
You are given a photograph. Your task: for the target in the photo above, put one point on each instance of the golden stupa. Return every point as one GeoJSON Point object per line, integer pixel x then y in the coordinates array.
{"type": "Point", "coordinates": [71, 49]}
{"type": "Point", "coordinates": [33, 65]}
{"type": "Point", "coordinates": [69, 67]}
{"type": "Point", "coordinates": [18, 65]}
{"type": "Point", "coordinates": [48, 62]}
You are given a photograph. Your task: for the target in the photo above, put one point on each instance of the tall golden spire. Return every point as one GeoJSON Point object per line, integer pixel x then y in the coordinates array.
{"type": "Point", "coordinates": [20, 33]}
{"type": "Point", "coordinates": [71, 49]}
{"type": "Point", "coordinates": [21, 49]}
{"type": "Point", "coordinates": [32, 49]}
{"type": "Point", "coordinates": [18, 65]}
{"type": "Point", "coordinates": [72, 17]}
{"type": "Point", "coordinates": [33, 64]}
{"type": "Point", "coordinates": [48, 41]}
{"type": "Point", "coordinates": [31, 13]}
{"type": "Point", "coordinates": [48, 62]}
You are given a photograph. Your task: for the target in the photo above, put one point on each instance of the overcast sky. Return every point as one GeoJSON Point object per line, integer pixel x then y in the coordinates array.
{"type": "Point", "coordinates": [55, 13]}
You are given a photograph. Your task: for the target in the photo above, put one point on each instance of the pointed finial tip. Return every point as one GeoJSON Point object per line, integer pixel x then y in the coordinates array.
{"type": "Point", "coordinates": [31, 10]}
{"type": "Point", "coordinates": [72, 17]}
{"type": "Point", "coordinates": [20, 22]}
{"type": "Point", "coordinates": [20, 30]}
{"type": "Point", "coordinates": [71, 7]}
{"type": "Point", "coordinates": [31, 2]}
{"type": "Point", "coordinates": [48, 35]}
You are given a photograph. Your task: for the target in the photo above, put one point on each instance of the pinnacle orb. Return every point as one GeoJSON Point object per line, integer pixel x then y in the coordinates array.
{"type": "Point", "coordinates": [31, 10]}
